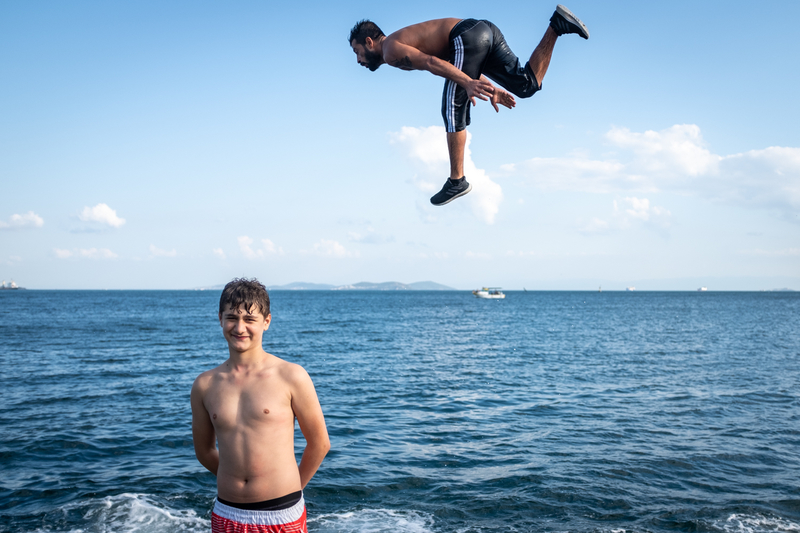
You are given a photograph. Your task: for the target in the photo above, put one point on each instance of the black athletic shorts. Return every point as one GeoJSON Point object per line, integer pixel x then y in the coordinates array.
{"type": "Point", "coordinates": [478, 47]}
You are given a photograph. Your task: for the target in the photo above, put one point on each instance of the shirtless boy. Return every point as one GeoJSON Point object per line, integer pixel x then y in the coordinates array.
{"type": "Point", "coordinates": [247, 406]}
{"type": "Point", "coordinates": [464, 53]}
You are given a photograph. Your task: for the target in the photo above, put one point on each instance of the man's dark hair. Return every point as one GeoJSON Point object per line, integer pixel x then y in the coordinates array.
{"type": "Point", "coordinates": [363, 29]}
{"type": "Point", "coordinates": [245, 293]}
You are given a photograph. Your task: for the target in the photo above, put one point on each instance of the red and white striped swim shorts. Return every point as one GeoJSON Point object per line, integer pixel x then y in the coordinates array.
{"type": "Point", "coordinates": [227, 519]}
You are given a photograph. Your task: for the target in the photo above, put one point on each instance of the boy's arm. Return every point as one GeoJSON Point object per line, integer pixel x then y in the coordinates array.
{"type": "Point", "coordinates": [203, 435]}
{"type": "Point", "coordinates": [407, 57]}
{"type": "Point", "coordinates": [305, 405]}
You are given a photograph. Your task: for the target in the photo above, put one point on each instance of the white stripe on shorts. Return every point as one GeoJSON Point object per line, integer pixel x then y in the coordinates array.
{"type": "Point", "coordinates": [458, 62]}
{"type": "Point", "coordinates": [265, 518]}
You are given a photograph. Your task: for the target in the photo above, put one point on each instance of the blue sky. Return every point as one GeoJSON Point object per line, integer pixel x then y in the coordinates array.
{"type": "Point", "coordinates": [153, 145]}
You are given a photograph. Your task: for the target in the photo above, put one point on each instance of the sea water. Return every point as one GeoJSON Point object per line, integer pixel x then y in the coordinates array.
{"type": "Point", "coordinates": [547, 411]}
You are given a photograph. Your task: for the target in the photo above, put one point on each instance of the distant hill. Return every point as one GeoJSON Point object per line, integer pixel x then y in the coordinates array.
{"type": "Point", "coordinates": [361, 286]}
{"type": "Point", "coordinates": [302, 286]}
{"type": "Point", "coordinates": [368, 286]}
{"type": "Point", "coordinates": [429, 286]}
{"type": "Point", "coordinates": [395, 286]}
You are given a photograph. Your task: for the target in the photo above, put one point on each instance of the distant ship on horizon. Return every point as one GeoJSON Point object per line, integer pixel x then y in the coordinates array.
{"type": "Point", "coordinates": [10, 286]}
{"type": "Point", "coordinates": [491, 293]}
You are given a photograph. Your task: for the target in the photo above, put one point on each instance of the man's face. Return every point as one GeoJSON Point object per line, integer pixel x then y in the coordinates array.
{"type": "Point", "coordinates": [243, 329]}
{"type": "Point", "coordinates": [366, 57]}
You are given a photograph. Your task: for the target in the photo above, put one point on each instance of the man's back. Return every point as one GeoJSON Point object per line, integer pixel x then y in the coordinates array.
{"type": "Point", "coordinates": [430, 37]}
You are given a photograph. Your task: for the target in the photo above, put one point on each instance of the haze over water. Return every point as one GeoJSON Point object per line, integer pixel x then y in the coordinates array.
{"type": "Point", "coordinates": [546, 411]}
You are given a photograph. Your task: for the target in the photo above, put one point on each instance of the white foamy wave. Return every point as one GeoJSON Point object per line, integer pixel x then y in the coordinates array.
{"type": "Point", "coordinates": [739, 523]}
{"type": "Point", "coordinates": [373, 521]}
{"type": "Point", "coordinates": [133, 513]}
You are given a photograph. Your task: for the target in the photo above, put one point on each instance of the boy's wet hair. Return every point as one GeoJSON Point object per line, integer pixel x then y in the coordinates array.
{"type": "Point", "coordinates": [363, 29]}
{"type": "Point", "coordinates": [245, 293]}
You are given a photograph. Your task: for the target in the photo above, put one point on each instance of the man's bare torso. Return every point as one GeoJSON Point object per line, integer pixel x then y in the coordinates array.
{"type": "Point", "coordinates": [254, 424]}
{"type": "Point", "coordinates": [431, 37]}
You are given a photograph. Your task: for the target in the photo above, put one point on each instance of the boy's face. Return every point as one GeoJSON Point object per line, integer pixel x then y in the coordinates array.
{"type": "Point", "coordinates": [243, 329]}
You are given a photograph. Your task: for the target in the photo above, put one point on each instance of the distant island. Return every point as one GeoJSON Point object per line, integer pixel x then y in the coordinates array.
{"type": "Point", "coordinates": [361, 286]}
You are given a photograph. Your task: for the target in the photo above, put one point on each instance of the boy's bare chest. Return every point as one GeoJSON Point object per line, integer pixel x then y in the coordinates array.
{"type": "Point", "coordinates": [251, 404]}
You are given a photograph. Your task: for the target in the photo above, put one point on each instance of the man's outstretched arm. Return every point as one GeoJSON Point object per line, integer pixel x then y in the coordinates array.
{"type": "Point", "coordinates": [407, 57]}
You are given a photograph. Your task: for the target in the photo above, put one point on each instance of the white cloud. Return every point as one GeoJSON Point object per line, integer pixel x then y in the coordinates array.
{"type": "Point", "coordinates": [158, 252]}
{"type": "Point", "coordinates": [247, 251]}
{"type": "Point", "coordinates": [330, 248]}
{"type": "Point", "coordinates": [640, 209]}
{"type": "Point", "coordinates": [101, 214]}
{"type": "Point", "coordinates": [26, 220]}
{"type": "Point", "coordinates": [426, 145]}
{"type": "Point", "coordinates": [267, 248]}
{"type": "Point", "coordinates": [627, 213]}
{"type": "Point", "coordinates": [88, 253]}
{"type": "Point", "coordinates": [676, 159]}
{"type": "Point", "coordinates": [427, 148]}
{"type": "Point", "coordinates": [219, 253]}
{"type": "Point", "coordinates": [677, 150]}
{"type": "Point", "coordinates": [270, 247]}
{"type": "Point", "coordinates": [760, 178]}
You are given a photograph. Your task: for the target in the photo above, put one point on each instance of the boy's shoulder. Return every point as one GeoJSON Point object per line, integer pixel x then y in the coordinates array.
{"type": "Point", "coordinates": [291, 372]}
{"type": "Point", "coordinates": [285, 370]}
{"type": "Point", "coordinates": [204, 379]}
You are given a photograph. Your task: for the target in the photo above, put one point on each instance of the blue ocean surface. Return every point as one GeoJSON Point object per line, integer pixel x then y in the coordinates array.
{"type": "Point", "coordinates": [547, 411]}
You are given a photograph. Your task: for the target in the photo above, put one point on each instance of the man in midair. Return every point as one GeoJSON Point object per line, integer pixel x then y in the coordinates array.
{"type": "Point", "coordinates": [464, 52]}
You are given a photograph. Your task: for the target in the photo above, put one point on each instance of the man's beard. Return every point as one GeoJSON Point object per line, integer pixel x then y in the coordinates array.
{"type": "Point", "coordinates": [374, 60]}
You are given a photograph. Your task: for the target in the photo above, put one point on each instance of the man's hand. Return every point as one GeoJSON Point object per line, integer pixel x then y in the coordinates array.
{"type": "Point", "coordinates": [481, 89]}
{"type": "Point", "coordinates": [503, 98]}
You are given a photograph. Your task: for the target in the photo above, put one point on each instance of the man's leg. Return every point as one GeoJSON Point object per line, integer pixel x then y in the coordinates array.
{"type": "Point", "coordinates": [540, 58]}
{"type": "Point", "coordinates": [456, 143]}
{"type": "Point", "coordinates": [562, 22]}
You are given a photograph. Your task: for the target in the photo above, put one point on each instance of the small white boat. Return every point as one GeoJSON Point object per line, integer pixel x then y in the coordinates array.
{"type": "Point", "coordinates": [702, 289]}
{"type": "Point", "coordinates": [630, 288]}
{"type": "Point", "coordinates": [489, 292]}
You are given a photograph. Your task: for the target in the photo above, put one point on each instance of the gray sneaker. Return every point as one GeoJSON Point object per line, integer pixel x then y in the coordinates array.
{"type": "Point", "coordinates": [451, 191]}
{"type": "Point", "coordinates": [563, 21]}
